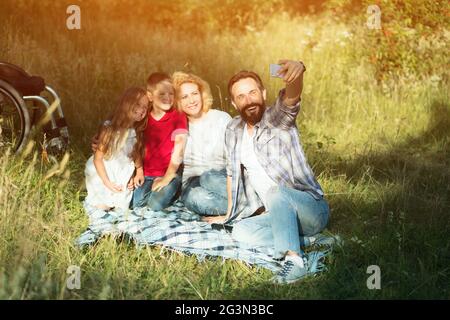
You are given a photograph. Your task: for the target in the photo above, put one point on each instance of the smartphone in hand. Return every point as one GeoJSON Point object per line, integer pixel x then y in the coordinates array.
{"type": "Point", "coordinates": [273, 68]}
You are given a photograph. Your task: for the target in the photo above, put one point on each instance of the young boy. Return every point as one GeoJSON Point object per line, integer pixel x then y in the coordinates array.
{"type": "Point", "coordinates": [156, 180]}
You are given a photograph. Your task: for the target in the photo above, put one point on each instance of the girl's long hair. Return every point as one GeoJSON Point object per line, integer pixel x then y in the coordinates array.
{"type": "Point", "coordinates": [113, 135]}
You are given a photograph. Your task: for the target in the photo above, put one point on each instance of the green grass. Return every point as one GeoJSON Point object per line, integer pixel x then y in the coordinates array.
{"type": "Point", "coordinates": [381, 153]}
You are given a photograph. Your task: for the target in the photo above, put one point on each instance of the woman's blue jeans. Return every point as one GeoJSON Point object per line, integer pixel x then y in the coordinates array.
{"type": "Point", "coordinates": [291, 215]}
{"type": "Point", "coordinates": [207, 194]}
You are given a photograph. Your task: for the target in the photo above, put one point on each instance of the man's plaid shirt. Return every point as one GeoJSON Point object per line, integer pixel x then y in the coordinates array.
{"type": "Point", "coordinates": [278, 149]}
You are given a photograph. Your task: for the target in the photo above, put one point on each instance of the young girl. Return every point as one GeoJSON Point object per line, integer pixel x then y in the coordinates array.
{"type": "Point", "coordinates": [121, 145]}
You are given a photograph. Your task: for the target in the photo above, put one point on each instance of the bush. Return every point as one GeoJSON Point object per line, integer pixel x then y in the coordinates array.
{"type": "Point", "coordinates": [412, 42]}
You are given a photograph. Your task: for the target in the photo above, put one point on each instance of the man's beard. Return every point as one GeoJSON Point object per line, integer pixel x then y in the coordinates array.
{"type": "Point", "coordinates": [254, 116]}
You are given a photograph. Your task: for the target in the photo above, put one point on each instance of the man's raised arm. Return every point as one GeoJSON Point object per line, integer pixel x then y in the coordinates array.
{"type": "Point", "coordinates": [292, 73]}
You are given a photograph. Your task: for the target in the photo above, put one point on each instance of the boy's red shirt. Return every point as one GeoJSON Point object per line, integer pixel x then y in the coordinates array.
{"type": "Point", "coordinates": [160, 140]}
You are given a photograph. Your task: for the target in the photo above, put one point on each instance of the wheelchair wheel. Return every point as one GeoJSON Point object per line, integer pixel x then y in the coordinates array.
{"type": "Point", "coordinates": [14, 118]}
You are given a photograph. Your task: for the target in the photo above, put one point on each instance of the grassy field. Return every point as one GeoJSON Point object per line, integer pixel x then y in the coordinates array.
{"type": "Point", "coordinates": [381, 152]}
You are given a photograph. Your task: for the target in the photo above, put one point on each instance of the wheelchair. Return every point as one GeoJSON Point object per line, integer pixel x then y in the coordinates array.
{"type": "Point", "coordinates": [29, 107]}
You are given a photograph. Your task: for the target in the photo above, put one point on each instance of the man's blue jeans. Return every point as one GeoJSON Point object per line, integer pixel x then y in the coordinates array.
{"type": "Point", "coordinates": [143, 196]}
{"type": "Point", "coordinates": [292, 215]}
{"type": "Point", "coordinates": [207, 194]}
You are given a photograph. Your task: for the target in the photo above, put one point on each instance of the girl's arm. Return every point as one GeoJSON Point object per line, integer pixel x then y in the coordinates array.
{"type": "Point", "coordinates": [175, 161]}
{"type": "Point", "coordinates": [101, 171]}
{"type": "Point", "coordinates": [139, 177]}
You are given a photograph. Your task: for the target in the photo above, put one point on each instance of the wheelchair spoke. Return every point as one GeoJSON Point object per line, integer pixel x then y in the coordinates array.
{"type": "Point", "coordinates": [11, 123]}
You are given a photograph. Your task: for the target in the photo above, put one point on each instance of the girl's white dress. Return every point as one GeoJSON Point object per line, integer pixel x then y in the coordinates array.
{"type": "Point", "coordinates": [119, 168]}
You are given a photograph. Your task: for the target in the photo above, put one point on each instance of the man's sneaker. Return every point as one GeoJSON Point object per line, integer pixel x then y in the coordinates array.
{"type": "Point", "coordinates": [321, 239]}
{"type": "Point", "coordinates": [294, 268]}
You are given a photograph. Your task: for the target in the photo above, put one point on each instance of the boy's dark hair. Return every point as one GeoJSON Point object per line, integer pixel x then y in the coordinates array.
{"type": "Point", "coordinates": [242, 75]}
{"type": "Point", "coordinates": [155, 78]}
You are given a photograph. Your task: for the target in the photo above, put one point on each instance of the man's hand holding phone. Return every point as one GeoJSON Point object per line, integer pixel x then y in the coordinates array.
{"type": "Point", "coordinates": [274, 69]}
{"type": "Point", "coordinates": [287, 70]}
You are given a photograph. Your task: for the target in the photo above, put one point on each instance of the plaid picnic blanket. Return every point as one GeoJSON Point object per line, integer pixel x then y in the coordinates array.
{"type": "Point", "coordinates": [177, 228]}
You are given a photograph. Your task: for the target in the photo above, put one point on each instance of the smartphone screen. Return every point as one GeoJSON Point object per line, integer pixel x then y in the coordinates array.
{"type": "Point", "coordinates": [273, 68]}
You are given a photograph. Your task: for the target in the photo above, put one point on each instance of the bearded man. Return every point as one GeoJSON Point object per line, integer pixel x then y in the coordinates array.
{"type": "Point", "coordinates": [273, 197]}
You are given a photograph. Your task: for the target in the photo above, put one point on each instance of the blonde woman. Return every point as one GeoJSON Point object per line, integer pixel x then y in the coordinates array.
{"type": "Point", "coordinates": [204, 176]}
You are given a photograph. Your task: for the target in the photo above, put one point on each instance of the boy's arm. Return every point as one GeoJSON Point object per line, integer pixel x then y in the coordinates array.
{"type": "Point", "coordinates": [175, 161]}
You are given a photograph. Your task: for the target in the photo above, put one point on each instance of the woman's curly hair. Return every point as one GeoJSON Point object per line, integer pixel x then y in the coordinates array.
{"type": "Point", "coordinates": [178, 78]}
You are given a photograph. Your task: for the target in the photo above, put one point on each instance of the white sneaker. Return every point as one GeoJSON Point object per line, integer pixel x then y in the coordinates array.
{"type": "Point", "coordinates": [294, 268]}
